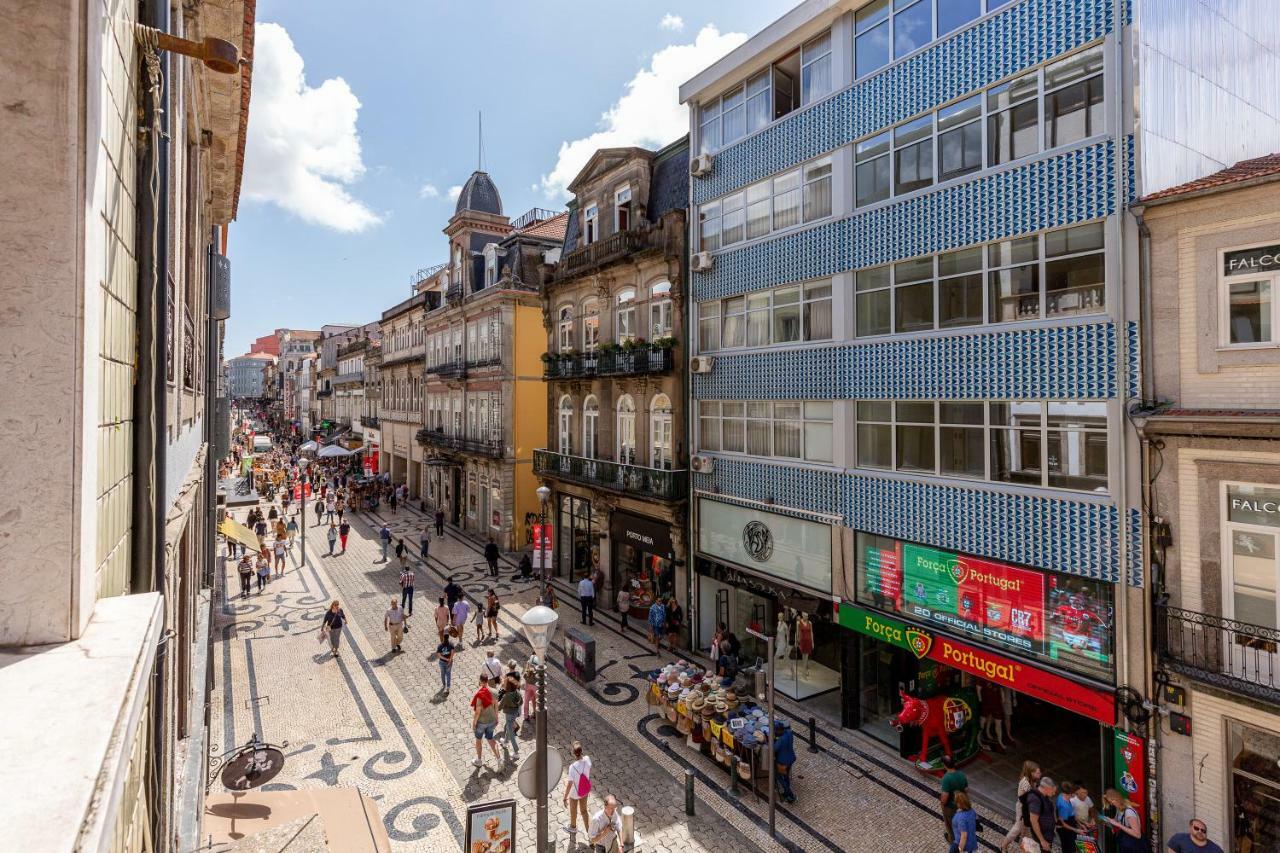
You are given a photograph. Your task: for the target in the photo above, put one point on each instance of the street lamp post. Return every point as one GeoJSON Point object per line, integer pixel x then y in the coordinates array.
{"type": "Point", "coordinates": [773, 793]}
{"type": "Point", "coordinates": [543, 494]}
{"type": "Point", "coordinates": [539, 626]}
{"type": "Point", "coordinates": [302, 491]}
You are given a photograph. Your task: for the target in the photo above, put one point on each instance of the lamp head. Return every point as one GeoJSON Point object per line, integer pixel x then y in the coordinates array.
{"type": "Point", "coordinates": [539, 624]}
{"type": "Point", "coordinates": [543, 493]}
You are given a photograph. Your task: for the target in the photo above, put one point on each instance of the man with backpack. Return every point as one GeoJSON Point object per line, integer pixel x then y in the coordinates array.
{"type": "Point", "coordinates": [1039, 814]}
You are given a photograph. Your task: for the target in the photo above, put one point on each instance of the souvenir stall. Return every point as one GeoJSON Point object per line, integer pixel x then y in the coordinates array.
{"type": "Point", "coordinates": [715, 720]}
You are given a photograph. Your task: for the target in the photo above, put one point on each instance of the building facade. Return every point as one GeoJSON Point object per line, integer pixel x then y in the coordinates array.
{"type": "Point", "coordinates": [915, 296]}
{"type": "Point", "coordinates": [402, 378]}
{"type": "Point", "coordinates": [246, 375]}
{"type": "Point", "coordinates": [613, 309]}
{"type": "Point", "coordinates": [483, 397]}
{"type": "Point", "coordinates": [126, 163]}
{"type": "Point", "coordinates": [1210, 423]}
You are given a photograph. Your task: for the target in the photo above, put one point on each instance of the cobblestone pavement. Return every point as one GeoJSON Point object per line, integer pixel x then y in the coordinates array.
{"type": "Point", "coordinates": [852, 795]}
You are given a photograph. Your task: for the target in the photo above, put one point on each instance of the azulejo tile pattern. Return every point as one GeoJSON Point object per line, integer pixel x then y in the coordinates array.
{"type": "Point", "coordinates": [1061, 362]}
{"type": "Point", "coordinates": [1077, 537]}
{"type": "Point", "coordinates": [1134, 351]}
{"type": "Point", "coordinates": [1136, 561]}
{"type": "Point", "coordinates": [1073, 186]}
{"type": "Point", "coordinates": [1023, 35]}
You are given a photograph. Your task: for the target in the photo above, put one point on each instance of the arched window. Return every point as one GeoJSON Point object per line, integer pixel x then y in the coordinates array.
{"type": "Point", "coordinates": [660, 316]}
{"type": "Point", "coordinates": [660, 431]}
{"type": "Point", "coordinates": [590, 325]}
{"type": "Point", "coordinates": [566, 425]}
{"type": "Point", "coordinates": [626, 329]}
{"type": "Point", "coordinates": [565, 329]}
{"type": "Point", "coordinates": [591, 427]}
{"type": "Point", "coordinates": [626, 430]}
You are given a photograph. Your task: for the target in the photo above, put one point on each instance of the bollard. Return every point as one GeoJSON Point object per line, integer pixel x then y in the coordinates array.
{"type": "Point", "coordinates": [551, 845]}
{"type": "Point", "coordinates": [733, 776]}
{"type": "Point", "coordinates": [628, 827]}
{"type": "Point", "coordinates": [813, 735]}
{"type": "Point", "coordinates": [688, 792]}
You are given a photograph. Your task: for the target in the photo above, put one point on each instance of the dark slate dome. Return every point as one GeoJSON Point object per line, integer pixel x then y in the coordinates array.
{"type": "Point", "coordinates": [479, 194]}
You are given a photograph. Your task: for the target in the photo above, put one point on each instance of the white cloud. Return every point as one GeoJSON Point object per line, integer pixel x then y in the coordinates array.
{"type": "Point", "coordinates": [303, 148]}
{"type": "Point", "coordinates": [454, 191]}
{"type": "Point", "coordinates": [649, 112]}
{"type": "Point", "coordinates": [675, 23]}
{"type": "Point", "coordinates": [428, 191]}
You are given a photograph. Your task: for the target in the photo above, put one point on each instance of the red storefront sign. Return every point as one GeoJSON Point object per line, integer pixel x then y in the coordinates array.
{"type": "Point", "coordinates": [542, 546]}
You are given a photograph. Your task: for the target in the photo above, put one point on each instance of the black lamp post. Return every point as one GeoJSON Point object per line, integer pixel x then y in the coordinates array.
{"type": "Point", "coordinates": [539, 626]}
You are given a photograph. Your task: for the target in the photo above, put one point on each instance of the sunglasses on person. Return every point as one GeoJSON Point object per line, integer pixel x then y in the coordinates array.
{"type": "Point", "coordinates": [1199, 827]}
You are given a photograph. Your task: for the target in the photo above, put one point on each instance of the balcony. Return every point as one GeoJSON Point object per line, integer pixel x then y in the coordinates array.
{"type": "Point", "coordinates": [635, 362]}
{"type": "Point", "coordinates": [602, 252]}
{"type": "Point", "coordinates": [657, 483]}
{"type": "Point", "coordinates": [370, 422]}
{"type": "Point", "coordinates": [449, 370]}
{"type": "Point", "coordinates": [476, 446]}
{"type": "Point", "coordinates": [1233, 655]}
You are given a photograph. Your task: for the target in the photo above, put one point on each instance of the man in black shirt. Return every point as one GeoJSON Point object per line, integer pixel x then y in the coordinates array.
{"type": "Point", "coordinates": [444, 654]}
{"type": "Point", "coordinates": [452, 592]}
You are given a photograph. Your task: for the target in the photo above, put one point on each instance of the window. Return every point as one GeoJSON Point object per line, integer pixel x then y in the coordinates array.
{"type": "Point", "coordinates": [759, 107]}
{"type": "Point", "coordinates": [1012, 116]}
{"type": "Point", "coordinates": [1061, 445]}
{"type": "Point", "coordinates": [733, 118]}
{"type": "Point", "coordinates": [871, 38]}
{"type": "Point", "coordinates": [626, 329]}
{"type": "Point", "coordinates": [791, 429]}
{"type": "Point", "coordinates": [871, 174]}
{"type": "Point", "coordinates": [709, 129]}
{"type": "Point", "coordinates": [622, 209]}
{"type": "Point", "coordinates": [1247, 290]}
{"type": "Point", "coordinates": [1073, 98]}
{"type": "Point", "coordinates": [660, 432]}
{"type": "Point", "coordinates": [591, 427]}
{"type": "Point", "coordinates": [626, 430]}
{"type": "Point", "coordinates": [913, 154]}
{"type": "Point", "coordinates": [565, 329]}
{"type": "Point", "coordinates": [590, 325]}
{"type": "Point", "coordinates": [960, 138]}
{"type": "Point", "coordinates": [774, 204]}
{"type": "Point", "coordinates": [816, 80]}
{"type": "Point", "coordinates": [590, 225]}
{"type": "Point", "coordinates": [660, 311]}
{"type": "Point", "coordinates": [566, 425]}
{"type": "Point", "coordinates": [907, 25]}
{"type": "Point", "coordinates": [783, 315]}
{"type": "Point", "coordinates": [1057, 273]}
{"type": "Point", "coordinates": [490, 265]}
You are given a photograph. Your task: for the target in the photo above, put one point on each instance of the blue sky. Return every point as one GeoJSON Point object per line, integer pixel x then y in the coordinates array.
{"type": "Point", "coordinates": [361, 123]}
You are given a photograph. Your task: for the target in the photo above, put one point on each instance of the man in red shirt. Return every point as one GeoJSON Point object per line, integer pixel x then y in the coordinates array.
{"type": "Point", "coordinates": [484, 719]}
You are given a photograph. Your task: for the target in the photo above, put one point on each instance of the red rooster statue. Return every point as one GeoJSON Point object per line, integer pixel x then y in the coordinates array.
{"type": "Point", "coordinates": [928, 715]}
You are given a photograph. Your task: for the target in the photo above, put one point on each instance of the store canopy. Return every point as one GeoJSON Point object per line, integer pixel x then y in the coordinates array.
{"type": "Point", "coordinates": [233, 529]}
{"type": "Point", "coordinates": [308, 447]}
{"type": "Point", "coordinates": [333, 451]}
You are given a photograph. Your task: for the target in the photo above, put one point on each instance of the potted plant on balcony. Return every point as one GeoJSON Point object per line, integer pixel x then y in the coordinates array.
{"type": "Point", "coordinates": [547, 358]}
{"type": "Point", "coordinates": [609, 347]}
{"type": "Point", "coordinates": [567, 354]}
{"type": "Point", "coordinates": [635, 344]}
{"type": "Point", "coordinates": [665, 342]}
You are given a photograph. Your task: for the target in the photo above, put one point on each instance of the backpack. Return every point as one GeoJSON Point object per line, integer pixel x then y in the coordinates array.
{"type": "Point", "coordinates": [1025, 800]}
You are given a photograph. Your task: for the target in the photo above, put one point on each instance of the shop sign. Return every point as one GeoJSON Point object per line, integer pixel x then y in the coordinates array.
{"type": "Point", "coordinates": [1253, 505]}
{"type": "Point", "coordinates": [643, 534]}
{"type": "Point", "coordinates": [1130, 768]}
{"type": "Point", "coordinates": [542, 546]}
{"type": "Point", "coordinates": [785, 596]}
{"type": "Point", "coordinates": [792, 549]}
{"type": "Point", "coordinates": [1063, 692]}
{"type": "Point", "coordinates": [1263, 259]}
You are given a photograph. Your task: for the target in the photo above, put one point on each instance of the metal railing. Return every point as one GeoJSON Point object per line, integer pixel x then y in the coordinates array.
{"type": "Point", "coordinates": [485, 361]}
{"type": "Point", "coordinates": [533, 216]}
{"type": "Point", "coordinates": [1235, 655]}
{"type": "Point", "coordinates": [601, 252]}
{"type": "Point", "coordinates": [479, 446]}
{"type": "Point", "coordinates": [635, 362]}
{"type": "Point", "coordinates": [449, 370]}
{"type": "Point", "coordinates": [658, 483]}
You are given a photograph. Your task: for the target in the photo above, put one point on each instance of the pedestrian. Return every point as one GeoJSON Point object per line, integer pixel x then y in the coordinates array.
{"type": "Point", "coordinates": [330, 507]}
{"type": "Point", "coordinates": [964, 826]}
{"type": "Point", "coordinates": [333, 537]}
{"type": "Point", "coordinates": [461, 610]}
{"type": "Point", "coordinates": [624, 606]}
{"type": "Point", "coordinates": [491, 557]}
{"type": "Point", "coordinates": [484, 719]}
{"type": "Point", "coordinates": [1195, 841]}
{"type": "Point", "coordinates": [402, 553]}
{"type": "Point", "coordinates": [604, 833]}
{"type": "Point", "coordinates": [530, 685]}
{"type": "Point", "coordinates": [1040, 813]}
{"type": "Point", "coordinates": [245, 570]}
{"type": "Point", "coordinates": [280, 528]}
{"type": "Point", "coordinates": [509, 705]}
{"type": "Point", "coordinates": [342, 508]}
{"type": "Point", "coordinates": [406, 589]}
{"type": "Point", "coordinates": [477, 619]}
{"type": "Point", "coordinates": [452, 591]}
{"type": "Point", "coordinates": [279, 550]}
{"type": "Point", "coordinates": [291, 530]}
{"type": "Point", "coordinates": [1066, 824]}
{"type": "Point", "coordinates": [444, 654]}
{"type": "Point", "coordinates": [492, 667]}
{"type": "Point", "coordinates": [273, 516]}
{"type": "Point", "coordinates": [587, 600]}
{"type": "Point", "coordinates": [344, 530]}
{"type": "Point", "coordinates": [576, 789]}
{"type": "Point", "coordinates": [784, 755]}
{"type": "Point", "coordinates": [319, 505]}
{"type": "Point", "coordinates": [384, 535]}
{"type": "Point", "coordinates": [439, 522]}
{"type": "Point", "coordinates": [331, 628]}
{"type": "Point", "coordinates": [442, 619]}
{"type": "Point", "coordinates": [424, 544]}
{"type": "Point", "coordinates": [1082, 803]}
{"type": "Point", "coordinates": [657, 623]}
{"type": "Point", "coordinates": [1027, 779]}
{"type": "Point", "coordinates": [675, 623]}
{"type": "Point", "coordinates": [393, 624]}
{"type": "Point", "coordinates": [491, 608]}
{"type": "Point", "coordinates": [1127, 826]}
{"type": "Point", "coordinates": [394, 501]}
{"type": "Point", "coordinates": [548, 597]}
{"type": "Point", "coordinates": [953, 782]}
{"type": "Point", "coordinates": [264, 569]}
{"type": "Point", "coordinates": [260, 528]}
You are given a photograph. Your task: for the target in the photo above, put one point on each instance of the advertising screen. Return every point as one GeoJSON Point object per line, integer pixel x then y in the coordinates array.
{"type": "Point", "coordinates": [1054, 617]}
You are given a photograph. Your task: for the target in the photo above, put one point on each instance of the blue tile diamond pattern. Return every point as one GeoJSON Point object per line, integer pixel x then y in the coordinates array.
{"type": "Point", "coordinates": [1024, 35]}
{"type": "Point", "coordinates": [1133, 342]}
{"type": "Point", "coordinates": [1136, 561]}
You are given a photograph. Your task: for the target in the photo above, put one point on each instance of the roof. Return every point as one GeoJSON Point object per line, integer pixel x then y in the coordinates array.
{"type": "Point", "coordinates": [669, 186]}
{"type": "Point", "coordinates": [246, 92]}
{"type": "Point", "coordinates": [550, 229]}
{"type": "Point", "coordinates": [1216, 413]}
{"type": "Point", "coordinates": [480, 194]}
{"type": "Point", "coordinates": [1246, 171]}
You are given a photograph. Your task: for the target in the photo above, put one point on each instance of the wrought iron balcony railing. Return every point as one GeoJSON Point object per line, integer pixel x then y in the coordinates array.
{"type": "Point", "coordinates": [1234, 655]}
{"type": "Point", "coordinates": [612, 248]}
{"type": "Point", "coordinates": [449, 370]}
{"type": "Point", "coordinates": [659, 483]}
{"type": "Point", "coordinates": [492, 448]}
{"type": "Point", "coordinates": [635, 362]}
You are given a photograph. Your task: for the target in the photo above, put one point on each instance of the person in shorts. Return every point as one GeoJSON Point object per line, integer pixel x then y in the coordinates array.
{"type": "Point", "coordinates": [484, 720]}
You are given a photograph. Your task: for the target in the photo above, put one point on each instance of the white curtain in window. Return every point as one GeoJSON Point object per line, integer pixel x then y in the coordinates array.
{"type": "Point", "coordinates": [660, 431]}
{"type": "Point", "coordinates": [626, 429]}
{"type": "Point", "coordinates": [566, 425]}
{"type": "Point", "coordinates": [591, 427]}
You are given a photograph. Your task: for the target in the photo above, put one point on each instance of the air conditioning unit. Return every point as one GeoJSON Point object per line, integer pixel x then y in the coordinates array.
{"type": "Point", "coordinates": [700, 463]}
{"type": "Point", "coordinates": [701, 364]}
{"type": "Point", "coordinates": [700, 165]}
{"type": "Point", "coordinates": [703, 262]}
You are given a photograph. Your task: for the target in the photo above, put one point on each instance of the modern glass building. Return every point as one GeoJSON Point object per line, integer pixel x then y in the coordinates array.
{"type": "Point", "coordinates": [915, 296]}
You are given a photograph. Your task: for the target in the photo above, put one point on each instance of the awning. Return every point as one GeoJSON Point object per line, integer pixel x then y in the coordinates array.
{"type": "Point", "coordinates": [233, 529]}
{"type": "Point", "coordinates": [349, 822]}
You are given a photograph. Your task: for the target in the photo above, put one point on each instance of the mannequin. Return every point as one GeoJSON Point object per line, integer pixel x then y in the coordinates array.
{"type": "Point", "coordinates": [804, 639]}
{"type": "Point", "coordinates": [782, 645]}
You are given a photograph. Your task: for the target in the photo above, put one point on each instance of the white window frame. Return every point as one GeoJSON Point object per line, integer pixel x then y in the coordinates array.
{"type": "Point", "coordinates": [766, 191]}
{"type": "Point", "coordinates": [1224, 298]}
{"type": "Point", "coordinates": [986, 7]}
{"type": "Point", "coordinates": [622, 196]}
{"type": "Point", "coordinates": [661, 432]}
{"type": "Point", "coordinates": [661, 312]}
{"type": "Point", "coordinates": [591, 427]}
{"type": "Point", "coordinates": [564, 434]}
{"type": "Point", "coordinates": [626, 431]}
{"type": "Point", "coordinates": [590, 324]}
{"type": "Point", "coordinates": [1227, 527]}
{"type": "Point", "coordinates": [711, 412]}
{"type": "Point", "coordinates": [564, 329]}
{"type": "Point", "coordinates": [590, 224]}
{"type": "Point", "coordinates": [805, 299]}
{"type": "Point", "coordinates": [625, 315]}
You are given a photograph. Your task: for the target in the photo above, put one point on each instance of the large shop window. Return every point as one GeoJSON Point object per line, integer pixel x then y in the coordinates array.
{"type": "Point", "coordinates": [1056, 105]}
{"type": "Point", "coordinates": [1255, 787]}
{"type": "Point", "coordinates": [774, 204]}
{"type": "Point", "coordinates": [791, 429]}
{"type": "Point", "coordinates": [579, 535]}
{"type": "Point", "coordinates": [1248, 290]}
{"type": "Point", "coordinates": [1045, 616]}
{"type": "Point", "coordinates": [783, 315]}
{"type": "Point", "coordinates": [1057, 273]}
{"type": "Point", "coordinates": [1060, 445]}
{"type": "Point", "coordinates": [1252, 528]}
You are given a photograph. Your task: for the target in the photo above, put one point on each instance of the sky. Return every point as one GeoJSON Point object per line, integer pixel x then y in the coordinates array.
{"type": "Point", "coordinates": [363, 125]}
